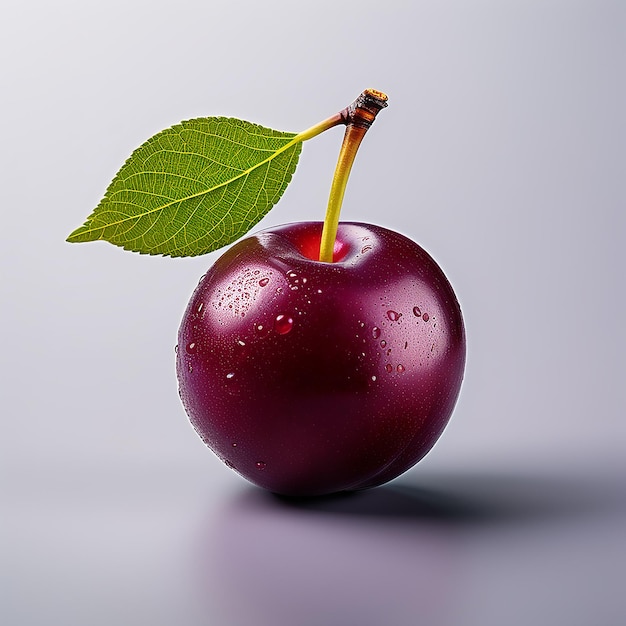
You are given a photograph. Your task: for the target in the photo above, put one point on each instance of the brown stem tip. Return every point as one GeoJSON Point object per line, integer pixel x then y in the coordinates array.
{"type": "Point", "coordinates": [364, 109]}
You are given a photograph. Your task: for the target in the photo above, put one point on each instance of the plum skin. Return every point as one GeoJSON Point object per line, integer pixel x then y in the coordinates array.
{"type": "Point", "coordinates": [309, 378]}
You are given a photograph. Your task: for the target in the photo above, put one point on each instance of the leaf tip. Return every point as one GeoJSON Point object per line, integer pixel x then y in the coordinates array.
{"type": "Point", "coordinates": [72, 238]}
{"type": "Point", "coordinates": [83, 233]}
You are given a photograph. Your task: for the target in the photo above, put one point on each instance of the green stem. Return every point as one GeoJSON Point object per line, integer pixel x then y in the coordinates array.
{"type": "Point", "coordinates": [358, 117]}
{"type": "Point", "coordinates": [351, 142]}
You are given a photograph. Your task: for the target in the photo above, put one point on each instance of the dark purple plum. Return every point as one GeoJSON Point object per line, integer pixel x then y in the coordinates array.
{"type": "Point", "coordinates": [310, 378]}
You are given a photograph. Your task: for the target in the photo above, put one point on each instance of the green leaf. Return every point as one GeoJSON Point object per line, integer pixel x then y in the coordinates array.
{"type": "Point", "coordinates": [194, 188]}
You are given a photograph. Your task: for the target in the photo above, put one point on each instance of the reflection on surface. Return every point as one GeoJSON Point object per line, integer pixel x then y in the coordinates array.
{"type": "Point", "coordinates": [444, 549]}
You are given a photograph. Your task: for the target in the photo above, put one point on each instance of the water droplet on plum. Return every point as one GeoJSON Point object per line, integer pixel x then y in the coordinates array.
{"type": "Point", "coordinates": [283, 324]}
{"type": "Point", "coordinates": [417, 311]}
{"type": "Point", "coordinates": [425, 317]}
{"type": "Point", "coordinates": [400, 368]}
{"type": "Point", "coordinates": [376, 332]}
{"type": "Point", "coordinates": [264, 282]}
{"type": "Point", "coordinates": [394, 316]}
{"type": "Point", "coordinates": [389, 368]}
{"type": "Point", "coordinates": [260, 465]}
{"type": "Point", "coordinates": [191, 348]}
{"type": "Point", "coordinates": [230, 375]}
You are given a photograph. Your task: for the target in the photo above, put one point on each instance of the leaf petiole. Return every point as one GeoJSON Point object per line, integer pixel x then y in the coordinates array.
{"type": "Point", "coordinates": [318, 129]}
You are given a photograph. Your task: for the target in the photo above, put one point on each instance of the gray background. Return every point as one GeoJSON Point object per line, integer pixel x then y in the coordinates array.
{"type": "Point", "coordinates": [502, 153]}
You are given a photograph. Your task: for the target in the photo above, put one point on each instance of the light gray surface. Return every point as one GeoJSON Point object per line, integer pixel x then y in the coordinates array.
{"type": "Point", "coordinates": [502, 152]}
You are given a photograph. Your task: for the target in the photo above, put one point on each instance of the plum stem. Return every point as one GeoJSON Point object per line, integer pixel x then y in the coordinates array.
{"type": "Point", "coordinates": [357, 117]}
